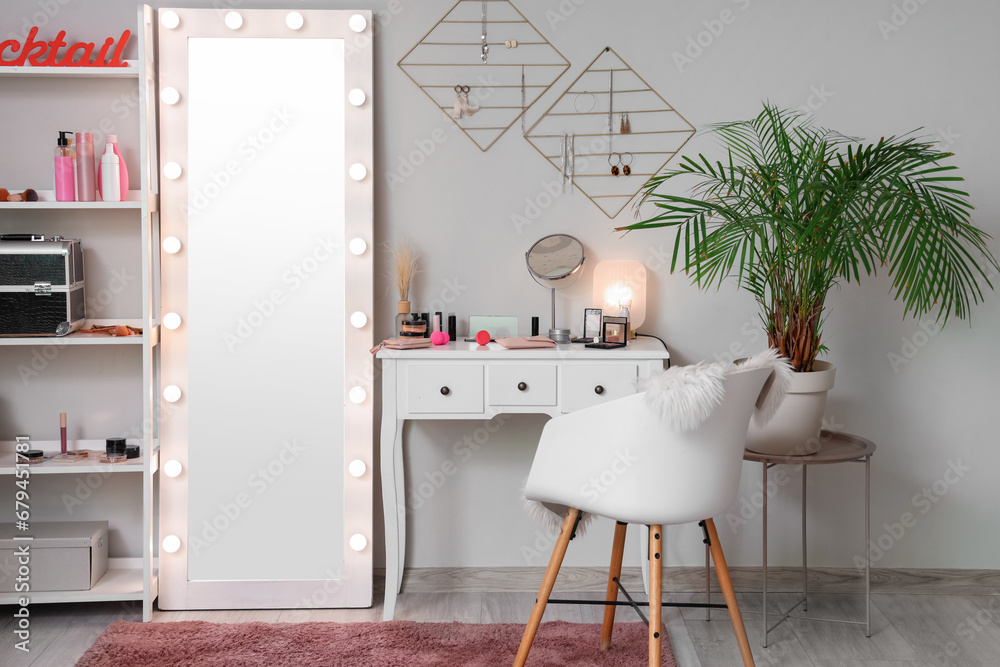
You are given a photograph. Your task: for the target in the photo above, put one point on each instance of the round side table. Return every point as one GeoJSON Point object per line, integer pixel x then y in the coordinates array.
{"type": "Point", "coordinates": [835, 448]}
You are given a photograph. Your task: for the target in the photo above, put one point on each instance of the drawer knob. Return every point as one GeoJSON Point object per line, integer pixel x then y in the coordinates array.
{"type": "Point", "coordinates": [522, 386]}
{"type": "Point", "coordinates": [598, 390]}
{"type": "Point", "coordinates": [445, 391]}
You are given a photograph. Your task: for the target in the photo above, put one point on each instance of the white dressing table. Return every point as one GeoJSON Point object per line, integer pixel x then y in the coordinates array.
{"type": "Point", "coordinates": [468, 381]}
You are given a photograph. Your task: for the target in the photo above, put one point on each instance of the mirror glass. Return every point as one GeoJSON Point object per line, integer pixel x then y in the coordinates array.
{"type": "Point", "coordinates": [266, 308]}
{"type": "Point", "coordinates": [555, 261]}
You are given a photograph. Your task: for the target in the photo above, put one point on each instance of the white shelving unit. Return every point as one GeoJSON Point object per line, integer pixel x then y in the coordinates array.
{"type": "Point", "coordinates": [128, 577]}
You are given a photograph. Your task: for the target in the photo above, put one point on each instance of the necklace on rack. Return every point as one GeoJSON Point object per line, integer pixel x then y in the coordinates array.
{"type": "Point", "coordinates": [486, 47]}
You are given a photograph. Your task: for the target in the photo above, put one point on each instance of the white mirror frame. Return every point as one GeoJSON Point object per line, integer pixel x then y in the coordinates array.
{"type": "Point", "coordinates": [355, 589]}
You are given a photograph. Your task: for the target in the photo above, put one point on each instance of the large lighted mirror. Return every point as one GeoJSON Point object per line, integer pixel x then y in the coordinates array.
{"type": "Point", "coordinates": [261, 153]}
{"type": "Point", "coordinates": [555, 262]}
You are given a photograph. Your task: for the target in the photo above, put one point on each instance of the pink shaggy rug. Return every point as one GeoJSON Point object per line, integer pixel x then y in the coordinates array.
{"type": "Point", "coordinates": [390, 644]}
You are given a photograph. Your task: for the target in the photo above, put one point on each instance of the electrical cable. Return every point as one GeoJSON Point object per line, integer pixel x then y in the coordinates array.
{"type": "Point", "coordinates": [661, 343]}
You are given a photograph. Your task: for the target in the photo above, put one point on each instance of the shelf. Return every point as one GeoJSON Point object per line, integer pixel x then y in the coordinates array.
{"type": "Point", "coordinates": [80, 338]}
{"type": "Point", "coordinates": [130, 72]}
{"type": "Point", "coordinates": [47, 200]}
{"type": "Point", "coordinates": [72, 339]}
{"type": "Point", "coordinates": [116, 584]}
{"type": "Point", "coordinates": [129, 238]}
{"type": "Point", "coordinates": [86, 466]}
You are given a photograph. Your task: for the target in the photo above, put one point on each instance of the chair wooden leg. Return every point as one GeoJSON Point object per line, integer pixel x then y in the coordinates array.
{"type": "Point", "coordinates": [722, 570]}
{"type": "Point", "coordinates": [655, 593]}
{"type": "Point", "coordinates": [617, 553]}
{"type": "Point", "coordinates": [551, 572]}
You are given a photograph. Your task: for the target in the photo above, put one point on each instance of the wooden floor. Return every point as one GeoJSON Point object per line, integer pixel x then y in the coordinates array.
{"type": "Point", "coordinates": [907, 630]}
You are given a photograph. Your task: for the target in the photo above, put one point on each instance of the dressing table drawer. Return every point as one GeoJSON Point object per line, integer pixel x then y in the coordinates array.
{"type": "Point", "coordinates": [432, 388]}
{"type": "Point", "coordinates": [587, 385]}
{"type": "Point", "coordinates": [525, 384]}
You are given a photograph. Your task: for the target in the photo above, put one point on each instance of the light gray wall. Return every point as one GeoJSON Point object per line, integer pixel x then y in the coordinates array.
{"type": "Point", "coordinates": [870, 68]}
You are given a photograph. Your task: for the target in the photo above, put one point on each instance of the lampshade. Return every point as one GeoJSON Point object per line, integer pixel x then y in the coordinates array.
{"type": "Point", "coordinates": [621, 283]}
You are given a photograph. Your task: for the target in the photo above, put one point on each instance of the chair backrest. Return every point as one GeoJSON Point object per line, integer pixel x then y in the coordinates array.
{"type": "Point", "coordinates": [624, 461]}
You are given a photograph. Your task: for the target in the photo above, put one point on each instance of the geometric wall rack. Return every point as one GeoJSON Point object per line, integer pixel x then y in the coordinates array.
{"type": "Point", "coordinates": [605, 90]}
{"type": "Point", "coordinates": [451, 54]}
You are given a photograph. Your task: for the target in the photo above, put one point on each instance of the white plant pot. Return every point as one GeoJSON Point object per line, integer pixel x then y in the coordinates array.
{"type": "Point", "coordinates": [794, 429]}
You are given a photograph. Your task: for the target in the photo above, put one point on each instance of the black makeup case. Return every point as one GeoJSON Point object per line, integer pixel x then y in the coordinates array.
{"type": "Point", "coordinates": [41, 287]}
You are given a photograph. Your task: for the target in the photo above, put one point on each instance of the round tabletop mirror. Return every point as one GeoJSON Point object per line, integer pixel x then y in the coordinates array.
{"type": "Point", "coordinates": [555, 261]}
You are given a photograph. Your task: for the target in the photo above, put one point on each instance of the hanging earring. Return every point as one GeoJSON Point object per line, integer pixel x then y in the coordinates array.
{"type": "Point", "coordinates": [456, 113]}
{"type": "Point", "coordinates": [588, 105]}
{"type": "Point", "coordinates": [467, 107]}
{"type": "Point", "coordinates": [626, 125]}
{"type": "Point", "coordinates": [614, 167]}
{"type": "Point", "coordinates": [626, 169]}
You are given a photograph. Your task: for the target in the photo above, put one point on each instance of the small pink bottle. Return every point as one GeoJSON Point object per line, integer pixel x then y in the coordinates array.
{"type": "Point", "coordinates": [113, 140]}
{"type": "Point", "coordinates": [65, 186]}
{"type": "Point", "coordinates": [86, 178]}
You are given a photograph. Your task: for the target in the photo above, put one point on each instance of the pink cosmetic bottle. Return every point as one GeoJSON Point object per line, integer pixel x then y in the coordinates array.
{"type": "Point", "coordinates": [123, 178]}
{"type": "Point", "coordinates": [86, 169]}
{"type": "Point", "coordinates": [65, 187]}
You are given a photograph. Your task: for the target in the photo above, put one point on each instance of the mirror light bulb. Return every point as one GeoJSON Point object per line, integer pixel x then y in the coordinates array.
{"type": "Point", "coordinates": [169, 95]}
{"type": "Point", "coordinates": [294, 20]}
{"type": "Point", "coordinates": [358, 319]}
{"type": "Point", "coordinates": [172, 468]}
{"type": "Point", "coordinates": [358, 23]}
{"type": "Point", "coordinates": [171, 321]}
{"type": "Point", "coordinates": [172, 393]}
{"type": "Point", "coordinates": [358, 542]}
{"type": "Point", "coordinates": [172, 170]}
{"type": "Point", "coordinates": [358, 171]}
{"type": "Point", "coordinates": [171, 543]}
{"type": "Point", "coordinates": [357, 246]}
{"type": "Point", "coordinates": [357, 468]}
{"type": "Point", "coordinates": [169, 19]}
{"type": "Point", "coordinates": [171, 245]}
{"type": "Point", "coordinates": [357, 97]}
{"type": "Point", "coordinates": [358, 395]}
{"type": "Point", "coordinates": [234, 20]}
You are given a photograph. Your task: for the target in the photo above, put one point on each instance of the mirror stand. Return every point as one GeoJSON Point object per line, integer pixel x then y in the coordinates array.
{"type": "Point", "coordinates": [554, 262]}
{"type": "Point", "coordinates": [558, 335]}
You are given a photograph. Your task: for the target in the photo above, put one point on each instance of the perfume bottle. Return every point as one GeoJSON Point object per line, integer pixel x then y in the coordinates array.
{"type": "Point", "coordinates": [64, 161]}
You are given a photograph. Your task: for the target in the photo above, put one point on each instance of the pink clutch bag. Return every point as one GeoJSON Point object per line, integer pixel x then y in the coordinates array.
{"type": "Point", "coordinates": [521, 342]}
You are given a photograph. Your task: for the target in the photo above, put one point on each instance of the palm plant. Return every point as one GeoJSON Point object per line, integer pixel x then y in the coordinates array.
{"type": "Point", "coordinates": [796, 209]}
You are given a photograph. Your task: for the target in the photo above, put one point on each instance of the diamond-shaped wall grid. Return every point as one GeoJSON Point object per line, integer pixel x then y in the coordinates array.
{"type": "Point", "coordinates": [451, 55]}
{"type": "Point", "coordinates": [658, 131]}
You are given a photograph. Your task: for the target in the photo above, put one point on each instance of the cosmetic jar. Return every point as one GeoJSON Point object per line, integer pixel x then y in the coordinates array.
{"type": "Point", "coordinates": [415, 328]}
{"type": "Point", "coordinates": [32, 456]}
{"type": "Point", "coordinates": [115, 447]}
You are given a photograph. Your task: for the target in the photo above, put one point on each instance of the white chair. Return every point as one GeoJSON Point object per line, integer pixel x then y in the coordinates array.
{"type": "Point", "coordinates": [670, 455]}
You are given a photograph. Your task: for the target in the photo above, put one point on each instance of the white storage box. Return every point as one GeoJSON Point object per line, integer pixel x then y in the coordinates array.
{"type": "Point", "coordinates": [63, 556]}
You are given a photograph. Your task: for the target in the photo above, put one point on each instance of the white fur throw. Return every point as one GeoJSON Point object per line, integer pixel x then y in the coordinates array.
{"type": "Point", "coordinates": [780, 381]}
{"type": "Point", "coordinates": [687, 395]}
{"type": "Point", "coordinates": [549, 517]}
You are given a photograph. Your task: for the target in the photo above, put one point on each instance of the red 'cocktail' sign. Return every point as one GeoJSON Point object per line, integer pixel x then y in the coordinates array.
{"type": "Point", "coordinates": [46, 54]}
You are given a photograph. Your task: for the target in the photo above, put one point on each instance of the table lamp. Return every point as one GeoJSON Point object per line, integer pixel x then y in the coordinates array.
{"type": "Point", "coordinates": [620, 286]}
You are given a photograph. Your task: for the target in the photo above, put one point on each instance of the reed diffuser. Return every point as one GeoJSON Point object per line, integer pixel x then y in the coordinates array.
{"type": "Point", "coordinates": [404, 264]}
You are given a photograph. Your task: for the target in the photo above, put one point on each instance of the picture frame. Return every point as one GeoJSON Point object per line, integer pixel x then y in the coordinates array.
{"type": "Point", "coordinates": [615, 330]}
{"type": "Point", "coordinates": [592, 323]}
